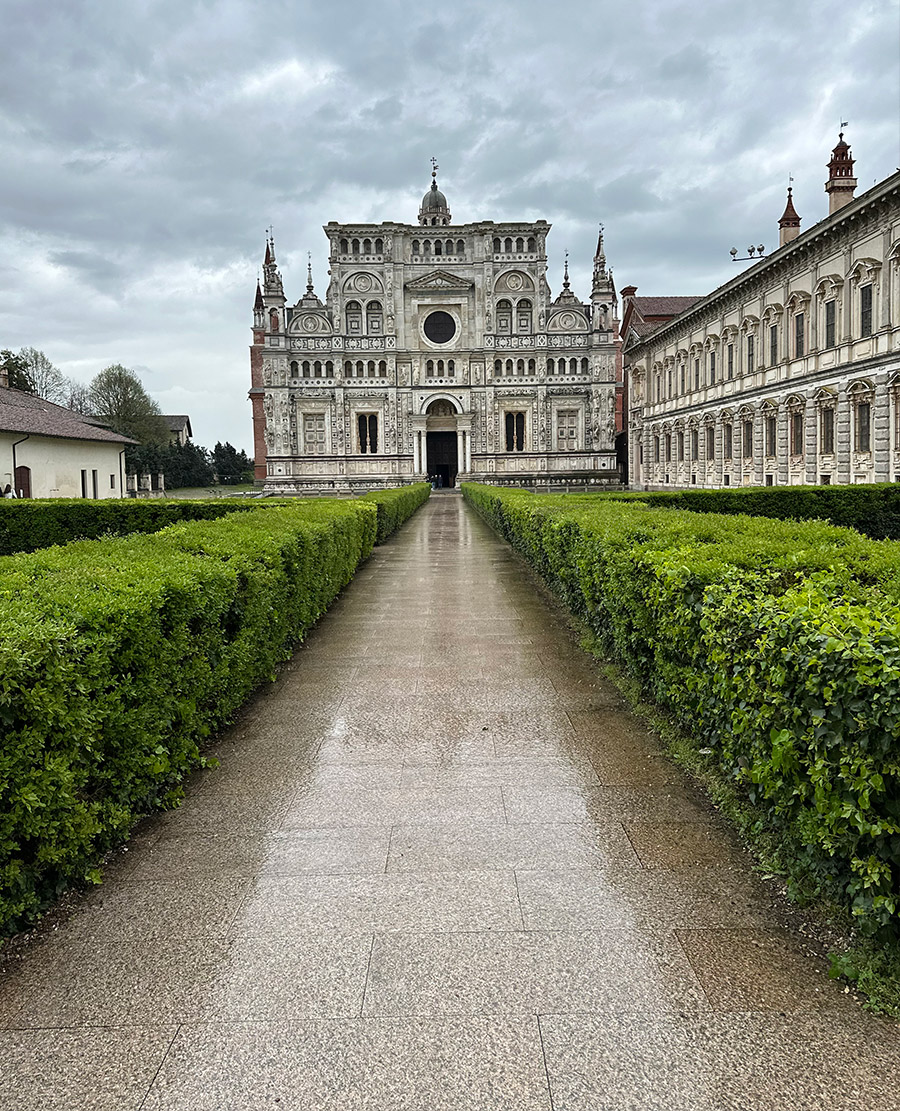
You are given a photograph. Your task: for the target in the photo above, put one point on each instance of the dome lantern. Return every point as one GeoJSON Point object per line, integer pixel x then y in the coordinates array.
{"type": "Point", "coordinates": [434, 211]}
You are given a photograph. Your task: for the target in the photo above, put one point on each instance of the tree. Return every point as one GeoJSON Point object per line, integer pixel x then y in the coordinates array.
{"type": "Point", "coordinates": [16, 371]}
{"type": "Point", "coordinates": [47, 380]}
{"type": "Point", "coordinates": [117, 397]}
{"type": "Point", "coordinates": [182, 464]}
{"type": "Point", "coordinates": [231, 466]}
{"type": "Point", "coordinates": [77, 396]}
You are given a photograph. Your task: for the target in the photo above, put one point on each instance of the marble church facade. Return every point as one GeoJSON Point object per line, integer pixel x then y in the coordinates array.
{"type": "Point", "coordinates": [438, 351]}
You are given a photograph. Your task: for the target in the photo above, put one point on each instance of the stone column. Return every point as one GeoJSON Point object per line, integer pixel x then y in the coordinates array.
{"type": "Point", "coordinates": [417, 452]}
{"type": "Point", "coordinates": [469, 451]}
{"type": "Point", "coordinates": [460, 449]}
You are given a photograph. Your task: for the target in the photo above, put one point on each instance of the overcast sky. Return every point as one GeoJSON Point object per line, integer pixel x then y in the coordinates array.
{"type": "Point", "coordinates": [146, 146]}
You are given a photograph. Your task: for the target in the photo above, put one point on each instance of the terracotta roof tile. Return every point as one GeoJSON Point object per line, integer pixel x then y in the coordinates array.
{"type": "Point", "coordinates": [23, 412]}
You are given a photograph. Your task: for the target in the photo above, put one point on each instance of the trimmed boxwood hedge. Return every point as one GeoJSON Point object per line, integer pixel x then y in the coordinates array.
{"type": "Point", "coordinates": [774, 644]}
{"type": "Point", "coordinates": [871, 509]}
{"type": "Point", "coordinates": [27, 525]}
{"type": "Point", "coordinates": [118, 657]}
{"type": "Point", "coordinates": [396, 506]}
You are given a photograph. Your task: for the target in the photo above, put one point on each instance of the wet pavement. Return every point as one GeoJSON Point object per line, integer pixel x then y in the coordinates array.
{"type": "Point", "coordinates": [440, 866]}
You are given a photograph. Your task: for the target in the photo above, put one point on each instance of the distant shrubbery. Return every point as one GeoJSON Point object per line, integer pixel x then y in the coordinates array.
{"type": "Point", "coordinates": [774, 644]}
{"type": "Point", "coordinates": [397, 506]}
{"type": "Point", "coordinates": [871, 509]}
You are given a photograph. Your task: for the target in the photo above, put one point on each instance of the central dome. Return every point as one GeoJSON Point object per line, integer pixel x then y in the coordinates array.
{"type": "Point", "coordinates": [433, 199]}
{"type": "Point", "coordinates": [434, 210]}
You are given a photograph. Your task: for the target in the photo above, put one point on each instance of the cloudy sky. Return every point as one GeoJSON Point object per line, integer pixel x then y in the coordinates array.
{"type": "Point", "coordinates": [146, 147]}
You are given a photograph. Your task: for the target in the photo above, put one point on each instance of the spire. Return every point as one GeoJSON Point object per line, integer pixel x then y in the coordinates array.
{"type": "Point", "coordinates": [566, 296]}
{"type": "Point", "coordinates": [271, 283]}
{"type": "Point", "coordinates": [599, 255]}
{"type": "Point", "coordinates": [841, 183]}
{"type": "Point", "coordinates": [258, 305]}
{"type": "Point", "coordinates": [789, 224]}
{"type": "Point", "coordinates": [309, 281]}
{"type": "Point", "coordinates": [566, 272]}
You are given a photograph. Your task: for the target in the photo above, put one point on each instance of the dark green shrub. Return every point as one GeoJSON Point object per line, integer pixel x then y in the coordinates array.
{"type": "Point", "coordinates": [27, 525]}
{"type": "Point", "coordinates": [775, 644]}
{"type": "Point", "coordinates": [118, 657]}
{"type": "Point", "coordinates": [396, 506]}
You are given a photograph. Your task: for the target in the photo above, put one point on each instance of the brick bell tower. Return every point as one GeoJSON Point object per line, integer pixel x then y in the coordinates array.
{"type": "Point", "coordinates": [256, 393]}
{"type": "Point", "coordinates": [841, 183]}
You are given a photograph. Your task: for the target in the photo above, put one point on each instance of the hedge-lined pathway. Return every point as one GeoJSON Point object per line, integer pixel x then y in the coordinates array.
{"type": "Point", "coordinates": [439, 867]}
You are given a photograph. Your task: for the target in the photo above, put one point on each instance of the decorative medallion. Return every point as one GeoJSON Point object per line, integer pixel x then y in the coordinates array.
{"type": "Point", "coordinates": [566, 320]}
{"type": "Point", "coordinates": [514, 281]}
{"type": "Point", "coordinates": [310, 323]}
{"type": "Point", "coordinates": [362, 282]}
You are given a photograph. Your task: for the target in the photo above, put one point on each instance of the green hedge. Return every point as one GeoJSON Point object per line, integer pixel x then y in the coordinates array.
{"type": "Point", "coordinates": [118, 657]}
{"type": "Point", "coordinates": [871, 509]}
{"type": "Point", "coordinates": [775, 644]}
{"type": "Point", "coordinates": [396, 506]}
{"type": "Point", "coordinates": [27, 525]}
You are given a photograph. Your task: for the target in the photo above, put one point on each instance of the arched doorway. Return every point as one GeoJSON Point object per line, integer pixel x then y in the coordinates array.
{"type": "Point", "coordinates": [22, 484]}
{"type": "Point", "coordinates": [441, 453]}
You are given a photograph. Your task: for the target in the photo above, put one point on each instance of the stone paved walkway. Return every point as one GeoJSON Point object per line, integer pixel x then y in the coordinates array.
{"type": "Point", "coordinates": [439, 867]}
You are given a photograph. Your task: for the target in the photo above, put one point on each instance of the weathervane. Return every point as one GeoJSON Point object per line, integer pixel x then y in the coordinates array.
{"type": "Point", "coordinates": [434, 166]}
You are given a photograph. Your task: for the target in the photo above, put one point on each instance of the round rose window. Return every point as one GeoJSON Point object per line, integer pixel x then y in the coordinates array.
{"type": "Point", "coordinates": [440, 327]}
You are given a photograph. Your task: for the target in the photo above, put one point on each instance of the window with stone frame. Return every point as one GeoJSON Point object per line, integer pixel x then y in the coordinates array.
{"type": "Point", "coordinates": [751, 350]}
{"type": "Point", "coordinates": [374, 318]}
{"type": "Point", "coordinates": [523, 316]}
{"type": "Point", "coordinates": [314, 433]}
{"type": "Point", "coordinates": [696, 374]}
{"type": "Point", "coordinates": [728, 440]}
{"type": "Point", "coordinates": [796, 430]}
{"type": "Point", "coordinates": [830, 323]}
{"type": "Point", "coordinates": [799, 335]}
{"type": "Point", "coordinates": [865, 310]}
{"type": "Point", "coordinates": [679, 440]}
{"type": "Point", "coordinates": [567, 429]}
{"type": "Point", "coordinates": [504, 317]}
{"type": "Point", "coordinates": [826, 430]}
{"type": "Point", "coordinates": [353, 313]}
{"type": "Point", "coordinates": [862, 425]}
{"type": "Point", "coordinates": [710, 442]}
{"type": "Point", "coordinates": [656, 449]}
{"type": "Point", "coordinates": [515, 431]}
{"type": "Point", "coordinates": [668, 447]}
{"type": "Point", "coordinates": [748, 439]}
{"type": "Point", "coordinates": [695, 444]}
{"type": "Point", "coordinates": [771, 435]}
{"type": "Point", "coordinates": [773, 345]}
{"type": "Point", "coordinates": [367, 433]}
{"type": "Point", "coordinates": [730, 352]}
{"type": "Point", "coordinates": [895, 399]}
{"type": "Point", "coordinates": [712, 368]}
{"type": "Point", "coordinates": [682, 378]}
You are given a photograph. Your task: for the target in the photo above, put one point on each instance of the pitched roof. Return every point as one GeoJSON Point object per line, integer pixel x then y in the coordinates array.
{"type": "Point", "coordinates": [34, 416]}
{"type": "Point", "coordinates": [663, 306]}
{"type": "Point", "coordinates": [178, 422]}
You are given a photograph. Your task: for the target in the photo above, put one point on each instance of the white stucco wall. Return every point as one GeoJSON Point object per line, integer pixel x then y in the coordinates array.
{"type": "Point", "coordinates": [56, 465]}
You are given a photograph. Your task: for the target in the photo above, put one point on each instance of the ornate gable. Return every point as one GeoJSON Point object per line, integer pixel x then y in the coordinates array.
{"type": "Point", "coordinates": [438, 281]}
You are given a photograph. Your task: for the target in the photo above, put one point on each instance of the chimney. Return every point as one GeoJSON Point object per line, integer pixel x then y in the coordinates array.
{"type": "Point", "coordinates": [789, 224]}
{"type": "Point", "coordinates": [841, 183]}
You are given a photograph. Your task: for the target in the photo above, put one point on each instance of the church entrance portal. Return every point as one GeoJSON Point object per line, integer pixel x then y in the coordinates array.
{"type": "Point", "coordinates": [442, 461]}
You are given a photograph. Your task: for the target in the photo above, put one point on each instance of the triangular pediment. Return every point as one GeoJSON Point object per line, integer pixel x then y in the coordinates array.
{"type": "Point", "coordinates": [438, 281]}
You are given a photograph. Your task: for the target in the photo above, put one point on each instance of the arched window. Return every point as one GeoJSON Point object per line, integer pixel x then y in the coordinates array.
{"type": "Point", "coordinates": [497, 247]}
{"type": "Point", "coordinates": [551, 366]}
{"type": "Point", "coordinates": [415, 246]}
{"type": "Point", "coordinates": [438, 248]}
{"type": "Point", "coordinates": [429, 368]}
{"type": "Point", "coordinates": [348, 369]}
{"type": "Point", "coordinates": [379, 246]}
{"type": "Point", "coordinates": [367, 246]}
{"type": "Point", "coordinates": [354, 317]}
{"type": "Point", "coordinates": [356, 246]}
{"type": "Point", "coordinates": [498, 366]}
{"type": "Point", "coordinates": [344, 247]}
{"type": "Point", "coordinates": [440, 368]}
{"type": "Point", "coordinates": [507, 246]}
{"type": "Point", "coordinates": [360, 368]}
{"type": "Point", "coordinates": [306, 368]}
{"type": "Point", "coordinates": [504, 316]}
{"type": "Point", "coordinates": [584, 366]}
{"type": "Point", "coordinates": [573, 366]}
{"type": "Point", "coordinates": [426, 248]}
{"type": "Point", "coordinates": [317, 369]}
{"type": "Point", "coordinates": [520, 245]}
{"type": "Point", "coordinates": [382, 369]}
{"type": "Point", "coordinates": [532, 246]}
{"type": "Point", "coordinates": [509, 366]}
{"type": "Point", "coordinates": [273, 321]}
{"type": "Point", "coordinates": [523, 316]}
{"type": "Point", "coordinates": [451, 368]}
{"type": "Point", "coordinates": [295, 370]}
{"type": "Point", "coordinates": [374, 318]}
{"type": "Point", "coordinates": [520, 367]}
{"type": "Point", "coordinates": [460, 247]}
{"type": "Point", "coordinates": [370, 368]}
{"type": "Point", "coordinates": [329, 369]}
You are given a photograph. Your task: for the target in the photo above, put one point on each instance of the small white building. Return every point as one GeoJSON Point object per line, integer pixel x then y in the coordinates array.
{"type": "Point", "coordinates": [47, 451]}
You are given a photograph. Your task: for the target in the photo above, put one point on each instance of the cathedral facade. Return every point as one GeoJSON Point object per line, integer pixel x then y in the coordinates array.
{"type": "Point", "coordinates": [438, 352]}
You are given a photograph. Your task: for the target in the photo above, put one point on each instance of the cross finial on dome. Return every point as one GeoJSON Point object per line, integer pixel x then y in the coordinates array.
{"type": "Point", "coordinates": [434, 167]}
{"type": "Point", "coordinates": [309, 281]}
{"type": "Point", "coordinates": [566, 272]}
